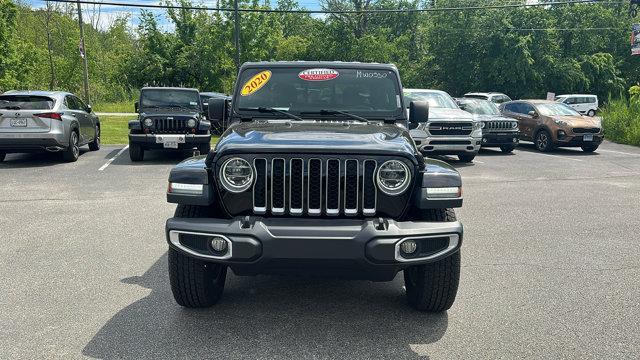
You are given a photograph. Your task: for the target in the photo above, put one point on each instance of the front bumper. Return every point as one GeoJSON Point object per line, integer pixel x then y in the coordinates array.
{"type": "Point", "coordinates": [52, 141]}
{"type": "Point", "coordinates": [578, 140]}
{"type": "Point", "coordinates": [351, 248]}
{"type": "Point", "coordinates": [449, 145]}
{"type": "Point", "coordinates": [149, 141]}
{"type": "Point", "coordinates": [498, 139]}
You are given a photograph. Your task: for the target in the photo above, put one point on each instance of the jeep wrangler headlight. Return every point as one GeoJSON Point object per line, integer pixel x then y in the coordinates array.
{"type": "Point", "coordinates": [148, 122]}
{"type": "Point", "coordinates": [393, 177]}
{"type": "Point", "coordinates": [191, 123]}
{"type": "Point", "coordinates": [236, 175]}
{"type": "Point", "coordinates": [477, 125]}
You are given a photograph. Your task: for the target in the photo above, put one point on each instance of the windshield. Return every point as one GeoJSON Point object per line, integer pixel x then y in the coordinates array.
{"type": "Point", "coordinates": [480, 107]}
{"type": "Point", "coordinates": [435, 99]}
{"type": "Point", "coordinates": [159, 98]}
{"type": "Point", "coordinates": [26, 102]}
{"type": "Point", "coordinates": [556, 109]}
{"type": "Point", "coordinates": [372, 93]}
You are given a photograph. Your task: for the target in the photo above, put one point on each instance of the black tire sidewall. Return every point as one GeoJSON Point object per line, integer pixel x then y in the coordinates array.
{"type": "Point", "coordinates": [549, 145]}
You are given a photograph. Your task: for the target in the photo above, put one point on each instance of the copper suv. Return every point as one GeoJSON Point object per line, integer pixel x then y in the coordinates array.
{"type": "Point", "coordinates": [550, 124]}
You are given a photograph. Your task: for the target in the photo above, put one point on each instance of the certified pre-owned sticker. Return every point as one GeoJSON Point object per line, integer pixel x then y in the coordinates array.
{"type": "Point", "coordinates": [255, 83]}
{"type": "Point", "coordinates": [318, 74]}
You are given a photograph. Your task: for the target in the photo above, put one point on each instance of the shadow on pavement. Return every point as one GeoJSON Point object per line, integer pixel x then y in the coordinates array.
{"type": "Point", "coordinates": [495, 152]}
{"type": "Point", "coordinates": [38, 159]}
{"type": "Point", "coordinates": [268, 317]}
{"type": "Point", "coordinates": [573, 151]}
{"type": "Point", "coordinates": [153, 157]}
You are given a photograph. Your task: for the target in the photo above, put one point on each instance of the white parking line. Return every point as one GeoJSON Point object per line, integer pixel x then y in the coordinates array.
{"type": "Point", "coordinates": [618, 152]}
{"type": "Point", "coordinates": [555, 156]}
{"type": "Point", "coordinates": [113, 158]}
{"type": "Point", "coordinates": [478, 161]}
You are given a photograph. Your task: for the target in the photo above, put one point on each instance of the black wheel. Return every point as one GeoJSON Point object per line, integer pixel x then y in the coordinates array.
{"type": "Point", "coordinates": [466, 157]}
{"type": "Point", "coordinates": [433, 287]}
{"type": "Point", "coordinates": [507, 148]}
{"type": "Point", "coordinates": [2, 156]}
{"type": "Point", "coordinates": [590, 148]}
{"type": "Point", "coordinates": [95, 144]}
{"type": "Point", "coordinates": [543, 141]}
{"type": "Point", "coordinates": [195, 283]}
{"type": "Point", "coordinates": [591, 112]}
{"type": "Point", "coordinates": [204, 148]}
{"type": "Point", "coordinates": [72, 152]}
{"type": "Point", "coordinates": [136, 152]}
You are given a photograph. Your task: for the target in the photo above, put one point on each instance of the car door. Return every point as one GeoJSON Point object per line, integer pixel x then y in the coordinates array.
{"type": "Point", "coordinates": [88, 120]}
{"type": "Point", "coordinates": [528, 123]}
{"type": "Point", "coordinates": [573, 102]}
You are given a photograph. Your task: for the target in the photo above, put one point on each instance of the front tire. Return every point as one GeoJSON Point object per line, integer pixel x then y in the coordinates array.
{"type": "Point", "coordinates": [589, 148]}
{"type": "Point", "coordinates": [195, 283]}
{"type": "Point", "coordinates": [433, 287]}
{"type": "Point", "coordinates": [136, 152]}
{"type": "Point", "coordinates": [507, 149]}
{"type": "Point", "coordinates": [72, 152]}
{"type": "Point", "coordinates": [591, 113]}
{"type": "Point", "coordinates": [466, 157]}
{"type": "Point", "coordinates": [95, 144]}
{"type": "Point", "coordinates": [543, 141]}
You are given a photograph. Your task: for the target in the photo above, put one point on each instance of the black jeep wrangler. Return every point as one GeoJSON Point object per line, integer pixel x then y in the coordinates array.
{"type": "Point", "coordinates": [168, 118]}
{"type": "Point", "coordinates": [314, 177]}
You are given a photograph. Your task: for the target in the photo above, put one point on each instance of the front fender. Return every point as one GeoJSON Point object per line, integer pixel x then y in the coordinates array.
{"type": "Point", "coordinates": [192, 171]}
{"type": "Point", "coordinates": [135, 125]}
{"type": "Point", "coordinates": [437, 174]}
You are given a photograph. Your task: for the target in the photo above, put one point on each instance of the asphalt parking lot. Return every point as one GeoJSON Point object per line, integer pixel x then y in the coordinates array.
{"type": "Point", "coordinates": [551, 269]}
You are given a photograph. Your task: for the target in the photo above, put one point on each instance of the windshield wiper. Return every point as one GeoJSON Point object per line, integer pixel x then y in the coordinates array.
{"type": "Point", "coordinates": [273, 111]}
{"type": "Point", "coordinates": [334, 112]}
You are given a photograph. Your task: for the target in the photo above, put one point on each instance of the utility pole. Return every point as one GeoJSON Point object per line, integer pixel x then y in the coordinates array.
{"type": "Point", "coordinates": [236, 33]}
{"type": "Point", "coordinates": [83, 54]}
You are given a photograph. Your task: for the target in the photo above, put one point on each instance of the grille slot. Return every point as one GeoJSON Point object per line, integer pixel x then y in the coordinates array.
{"type": "Point", "coordinates": [170, 126]}
{"type": "Point", "coordinates": [318, 186]}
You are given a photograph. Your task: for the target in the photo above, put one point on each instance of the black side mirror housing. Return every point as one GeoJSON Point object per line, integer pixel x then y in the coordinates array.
{"type": "Point", "coordinates": [217, 110]}
{"type": "Point", "coordinates": [418, 112]}
{"type": "Point", "coordinates": [89, 109]}
{"type": "Point", "coordinates": [136, 106]}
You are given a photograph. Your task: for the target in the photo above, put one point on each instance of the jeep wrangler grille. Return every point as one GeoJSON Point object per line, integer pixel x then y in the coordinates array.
{"type": "Point", "coordinates": [500, 125]}
{"type": "Point", "coordinates": [170, 126]}
{"type": "Point", "coordinates": [315, 186]}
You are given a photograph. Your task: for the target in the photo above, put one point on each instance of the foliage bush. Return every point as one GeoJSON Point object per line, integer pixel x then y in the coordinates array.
{"type": "Point", "coordinates": [621, 119]}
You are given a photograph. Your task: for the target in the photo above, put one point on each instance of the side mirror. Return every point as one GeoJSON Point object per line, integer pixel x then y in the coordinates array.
{"type": "Point", "coordinates": [136, 106]}
{"type": "Point", "coordinates": [418, 112]}
{"type": "Point", "coordinates": [216, 111]}
{"type": "Point", "coordinates": [89, 109]}
{"type": "Point", "coordinates": [533, 114]}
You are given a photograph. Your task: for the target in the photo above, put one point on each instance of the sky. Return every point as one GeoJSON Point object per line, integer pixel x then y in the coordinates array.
{"type": "Point", "coordinates": [108, 12]}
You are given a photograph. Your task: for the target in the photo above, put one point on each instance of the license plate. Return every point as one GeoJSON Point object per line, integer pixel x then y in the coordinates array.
{"type": "Point", "coordinates": [170, 141]}
{"type": "Point", "coordinates": [19, 122]}
{"type": "Point", "coordinates": [588, 137]}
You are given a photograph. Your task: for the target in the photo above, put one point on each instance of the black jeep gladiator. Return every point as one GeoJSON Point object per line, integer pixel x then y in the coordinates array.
{"type": "Point", "coordinates": [314, 177]}
{"type": "Point", "coordinates": [168, 118]}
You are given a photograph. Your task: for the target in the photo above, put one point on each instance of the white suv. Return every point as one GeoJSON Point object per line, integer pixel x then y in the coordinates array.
{"type": "Point", "coordinates": [582, 103]}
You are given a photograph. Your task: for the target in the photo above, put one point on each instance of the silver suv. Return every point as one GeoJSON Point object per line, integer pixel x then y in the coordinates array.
{"type": "Point", "coordinates": [46, 121]}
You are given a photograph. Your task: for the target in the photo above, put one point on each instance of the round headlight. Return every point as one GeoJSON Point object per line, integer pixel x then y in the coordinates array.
{"type": "Point", "coordinates": [191, 123]}
{"type": "Point", "coordinates": [236, 175]}
{"type": "Point", "coordinates": [148, 122]}
{"type": "Point", "coordinates": [393, 177]}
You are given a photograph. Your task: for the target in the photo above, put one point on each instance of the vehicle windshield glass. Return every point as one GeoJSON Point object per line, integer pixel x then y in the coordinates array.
{"type": "Point", "coordinates": [371, 93]}
{"type": "Point", "coordinates": [435, 99]}
{"type": "Point", "coordinates": [480, 107]}
{"type": "Point", "coordinates": [476, 96]}
{"type": "Point", "coordinates": [26, 102]}
{"type": "Point", "coordinates": [169, 98]}
{"type": "Point", "coordinates": [556, 109]}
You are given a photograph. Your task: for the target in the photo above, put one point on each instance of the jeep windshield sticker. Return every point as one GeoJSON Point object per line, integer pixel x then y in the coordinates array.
{"type": "Point", "coordinates": [318, 74]}
{"type": "Point", "coordinates": [255, 83]}
{"type": "Point", "coordinates": [371, 74]}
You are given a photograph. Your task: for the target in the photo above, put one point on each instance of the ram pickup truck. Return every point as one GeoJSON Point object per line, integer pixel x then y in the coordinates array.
{"type": "Point", "coordinates": [449, 131]}
{"type": "Point", "coordinates": [168, 118]}
{"type": "Point", "coordinates": [314, 177]}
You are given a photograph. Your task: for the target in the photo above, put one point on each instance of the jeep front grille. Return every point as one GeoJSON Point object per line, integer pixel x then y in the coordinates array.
{"type": "Point", "coordinates": [315, 186]}
{"type": "Point", "coordinates": [499, 125]}
{"type": "Point", "coordinates": [170, 126]}
{"type": "Point", "coordinates": [450, 128]}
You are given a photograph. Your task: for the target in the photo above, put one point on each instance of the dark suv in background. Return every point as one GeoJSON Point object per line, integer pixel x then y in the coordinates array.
{"type": "Point", "coordinates": [168, 118]}
{"type": "Point", "coordinates": [497, 130]}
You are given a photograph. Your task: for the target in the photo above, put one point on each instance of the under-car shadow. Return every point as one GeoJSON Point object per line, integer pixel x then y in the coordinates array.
{"type": "Point", "coordinates": [36, 159]}
{"type": "Point", "coordinates": [154, 157]}
{"type": "Point", "coordinates": [269, 317]}
{"type": "Point", "coordinates": [572, 151]}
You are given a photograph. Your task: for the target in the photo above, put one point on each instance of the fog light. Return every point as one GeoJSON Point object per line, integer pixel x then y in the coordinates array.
{"type": "Point", "coordinates": [408, 247]}
{"type": "Point", "coordinates": [219, 244]}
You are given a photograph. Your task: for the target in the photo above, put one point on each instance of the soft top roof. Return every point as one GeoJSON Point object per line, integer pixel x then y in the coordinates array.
{"type": "Point", "coordinates": [169, 88]}
{"type": "Point", "coordinates": [318, 64]}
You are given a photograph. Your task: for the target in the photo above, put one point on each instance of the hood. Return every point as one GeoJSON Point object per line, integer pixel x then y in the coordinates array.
{"type": "Point", "coordinates": [164, 113]}
{"type": "Point", "coordinates": [579, 121]}
{"type": "Point", "coordinates": [283, 136]}
{"type": "Point", "coordinates": [492, 118]}
{"type": "Point", "coordinates": [444, 114]}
